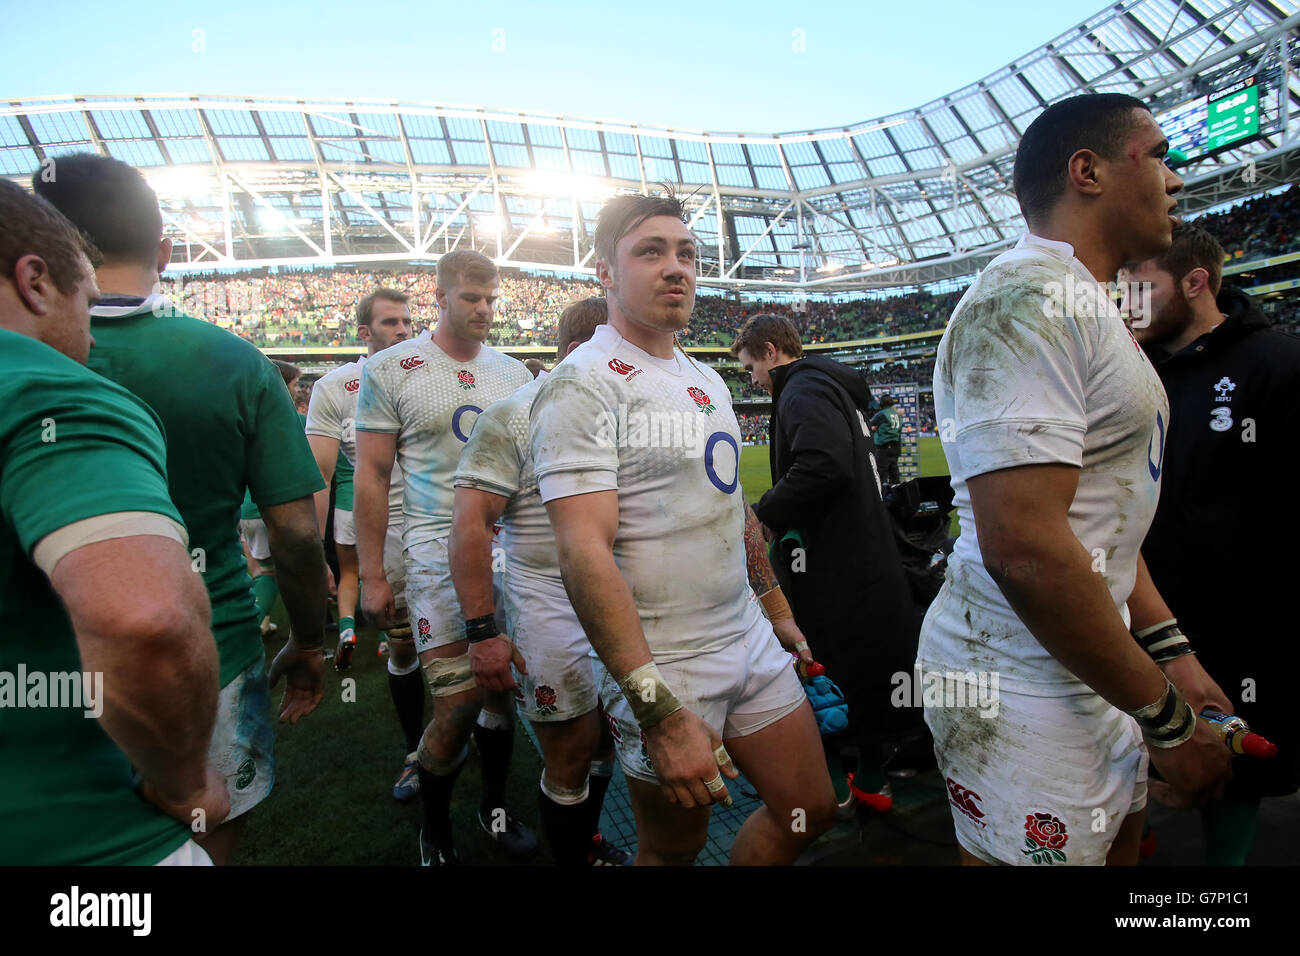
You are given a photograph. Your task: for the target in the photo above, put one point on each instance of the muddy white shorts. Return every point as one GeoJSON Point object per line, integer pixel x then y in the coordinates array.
{"type": "Point", "coordinates": [345, 528]}
{"type": "Point", "coordinates": [255, 536]}
{"type": "Point", "coordinates": [1043, 780]}
{"type": "Point", "coordinates": [436, 617]}
{"type": "Point", "coordinates": [560, 683]}
{"type": "Point", "coordinates": [737, 691]}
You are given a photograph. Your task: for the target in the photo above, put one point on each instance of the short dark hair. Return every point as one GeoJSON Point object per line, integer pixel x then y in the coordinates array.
{"type": "Point", "coordinates": [1193, 248]}
{"type": "Point", "coordinates": [287, 372]}
{"type": "Point", "coordinates": [366, 306]}
{"type": "Point", "coordinates": [1100, 122]}
{"type": "Point", "coordinates": [465, 264]}
{"type": "Point", "coordinates": [622, 214]}
{"type": "Point", "coordinates": [107, 200]}
{"type": "Point", "coordinates": [578, 322]}
{"type": "Point", "coordinates": [763, 328]}
{"type": "Point", "coordinates": [30, 226]}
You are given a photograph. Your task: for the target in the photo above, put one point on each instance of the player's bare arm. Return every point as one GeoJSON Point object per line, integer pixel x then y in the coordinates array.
{"type": "Point", "coordinates": [376, 452]}
{"type": "Point", "coordinates": [326, 452]}
{"type": "Point", "coordinates": [300, 564]}
{"type": "Point", "coordinates": [1046, 574]}
{"type": "Point", "coordinates": [141, 616]}
{"type": "Point", "coordinates": [762, 579]}
{"type": "Point", "coordinates": [682, 747]}
{"type": "Point", "coordinates": [474, 514]}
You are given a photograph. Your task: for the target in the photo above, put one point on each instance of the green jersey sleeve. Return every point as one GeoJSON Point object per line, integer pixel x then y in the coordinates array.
{"type": "Point", "coordinates": [75, 450]}
{"type": "Point", "coordinates": [280, 464]}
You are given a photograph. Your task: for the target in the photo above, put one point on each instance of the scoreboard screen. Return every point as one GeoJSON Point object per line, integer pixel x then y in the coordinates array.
{"type": "Point", "coordinates": [1207, 124]}
{"type": "Point", "coordinates": [1233, 115]}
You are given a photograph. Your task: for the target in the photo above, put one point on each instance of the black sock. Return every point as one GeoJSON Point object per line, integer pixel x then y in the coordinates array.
{"type": "Point", "coordinates": [566, 828]}
{"type": "Point", "coordinates": [494, 748]}
{"type": "Point", "coordinates": [596, 787]}
{"type": "Point", "coordinates": [408, 699]}
{"type": "Point", "coordinates": [435, 795]}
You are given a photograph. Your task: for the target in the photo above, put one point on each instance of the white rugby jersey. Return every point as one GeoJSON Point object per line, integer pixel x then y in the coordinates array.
{"type": "Point", "coordinates": [662, 433]}
{"type": "Point", "coordinates": [332, 413]}
{"type": "Point", "coordinates": [1037, 367]}
{"type": "Point", "coordinates": [430, 402]}
{"type": "Point", "coordinates": [499, 458]}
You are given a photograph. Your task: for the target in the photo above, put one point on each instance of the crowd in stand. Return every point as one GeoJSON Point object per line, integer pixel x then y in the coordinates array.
{"type": "Point", "coordinates": [314, 308]}
{"type": "Point", "coordinates": [1266, 226]}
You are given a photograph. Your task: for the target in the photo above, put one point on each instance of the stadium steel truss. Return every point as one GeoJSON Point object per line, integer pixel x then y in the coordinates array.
{"type": "Point", "coordinates": [908, 199]}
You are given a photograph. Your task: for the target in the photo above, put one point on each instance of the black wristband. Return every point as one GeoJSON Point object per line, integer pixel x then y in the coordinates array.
{"type": "Point", "coordinates": [1163, 643]}
{"type": "Point", "coordinates": [481, 628]}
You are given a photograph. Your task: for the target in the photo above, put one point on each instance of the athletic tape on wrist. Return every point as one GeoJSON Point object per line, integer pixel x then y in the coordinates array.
{"type": "Point", "coordinates": [1164, 641]}
{"type": "Point", "coordinates": [648, 696]}
{"type": "Point", "coordinates": [1168, 721]}
{"type": "Point", "coordinates": [775, 604]}
{"type": "Point", "coordinates": [481, 629]}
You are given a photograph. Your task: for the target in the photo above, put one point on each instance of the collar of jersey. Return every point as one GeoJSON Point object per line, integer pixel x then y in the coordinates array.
{"type": "Point", "coordinates": [607, 337]}
{"type": "Point", "coordinates": [1053, 247]}
{"type": "Point", "coordinates": [156, 302]}
{"type": "Point", "coordinates": [1062, 251]}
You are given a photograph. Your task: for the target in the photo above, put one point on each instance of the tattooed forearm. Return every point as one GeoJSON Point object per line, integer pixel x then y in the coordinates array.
{"type": "Point", "coordinates": [761, 576]}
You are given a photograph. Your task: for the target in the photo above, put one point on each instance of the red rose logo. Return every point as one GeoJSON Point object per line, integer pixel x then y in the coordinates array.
{"type": "Point", "coordinates": [353, 384]}
{"type": "Point", "coordinates": [423, 627]}
{"type": "Point", "coordinates": [621, 368]}
{"type": "Point", "coordinates": [545, 697]}
{"type": "Point", "coordinates": [410, 362]}
{"type": "Point", "coordinates": [701, 399]}
{"type": "Point", "coordinates": [1044, 837]}
{"type": "Point", "coordinates": [465, 379]}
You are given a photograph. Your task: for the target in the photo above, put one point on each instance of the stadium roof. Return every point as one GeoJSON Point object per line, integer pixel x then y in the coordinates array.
{"type": "Point", "coordinates": [914, 197]}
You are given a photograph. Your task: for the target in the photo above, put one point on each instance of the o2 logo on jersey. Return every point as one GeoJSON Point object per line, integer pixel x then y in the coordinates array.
{"type": "Point", "coordinates": [410, 362]}
{"type": "Point", "coordinates": [1156, 456]}
{"type": "Point", "coordinates": [716, 466]}
{"type": "Point", "coordinates": [352, 384]}
{"type": "Point", "coordinates": [463, 433]}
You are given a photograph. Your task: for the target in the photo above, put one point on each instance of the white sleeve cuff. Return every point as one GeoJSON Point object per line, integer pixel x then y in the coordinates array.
{"type": "Point", "coordinates": [566, 484]}
{"type": "Point", "coordinates": [1013, 443]}
{"type": "Point", "coordinates": [50, 550]}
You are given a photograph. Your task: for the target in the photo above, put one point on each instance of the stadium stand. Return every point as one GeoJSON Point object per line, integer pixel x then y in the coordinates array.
{"type": "Point", "coordinates": [313, 308]}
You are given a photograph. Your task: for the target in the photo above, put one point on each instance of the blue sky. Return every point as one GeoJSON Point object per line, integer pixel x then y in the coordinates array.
{"type": "Point", "coordinates": [759, 66]}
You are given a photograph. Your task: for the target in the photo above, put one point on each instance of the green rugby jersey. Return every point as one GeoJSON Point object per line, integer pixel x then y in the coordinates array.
{"type": "Point", "coordinates": [72, 446]}
{"type": "Point", "coordinates": [343, 483]}
{"type": "Point", "coordinates": [230, 425]}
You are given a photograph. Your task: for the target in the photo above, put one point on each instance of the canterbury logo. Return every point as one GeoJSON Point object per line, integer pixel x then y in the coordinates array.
{"type": "Point", "coordinates": [621, 368]}
{"type": "Point", "coordinates": [413, 361]}
{"type": "Point", "coordinates": [965, 800]}
{"type": "Point", "coordinates": [353, 385]}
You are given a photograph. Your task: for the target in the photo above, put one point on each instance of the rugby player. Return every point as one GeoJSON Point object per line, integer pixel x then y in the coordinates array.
{"type": "Point", "coordinates": [418, 402]}
{"type": "Point", "coordinates": [252, 531]}
{"type": "Point", "coordinates": [636, 451]}
{"type": "Point", "coordinates": [495, 484]}
{"type": "Point", "coordinates": [1059, 423]}
{"type": "Point", "coordinates": [95, 578]}
{"type": "Point", "coordinates": [230, 425]}
{"type": "Point", "coordinates": [383, 319]}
